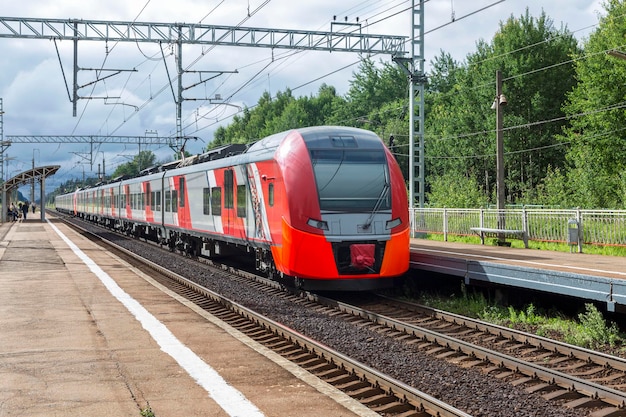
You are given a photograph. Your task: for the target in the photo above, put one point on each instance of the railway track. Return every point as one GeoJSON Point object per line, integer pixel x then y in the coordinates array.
{"type": "Point", "coordinates": [577, 377]}
{"type": "Point", "coordinates": [384, 395]}
{"type": "Point", "coordinates": [565, 375]}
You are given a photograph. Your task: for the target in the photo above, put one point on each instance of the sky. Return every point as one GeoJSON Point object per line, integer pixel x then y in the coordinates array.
{"type": "Point", "coordinates": [138, 101]}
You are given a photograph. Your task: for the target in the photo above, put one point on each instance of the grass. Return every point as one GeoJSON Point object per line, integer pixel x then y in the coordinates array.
{"type": "Point", "coordinates": [589, 329]}
{"type": "Point", "coordinates": [147, 412]}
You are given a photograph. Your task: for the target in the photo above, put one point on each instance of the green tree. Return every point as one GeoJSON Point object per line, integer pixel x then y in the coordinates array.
{"type": "Point", "coordinates": [372, 87]}
{"type": "Point", "coordinates": [273, 115]}
{"type": "Point", "coordinates": [451, 190]}
{"type": "Point", "coordinates": [534, 58]}
{"type": "Point", "coordinates": [143, 160]}
{"type": "Point", "coordinates": [597, 155]}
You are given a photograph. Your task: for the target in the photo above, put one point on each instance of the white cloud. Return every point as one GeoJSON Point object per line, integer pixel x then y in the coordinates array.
{"type": "Point", "coordinates": [35, 98]}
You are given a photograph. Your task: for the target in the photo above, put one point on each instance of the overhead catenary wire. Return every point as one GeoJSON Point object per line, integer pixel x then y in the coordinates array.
{"type": "Point", "coordinates": [249, 81]}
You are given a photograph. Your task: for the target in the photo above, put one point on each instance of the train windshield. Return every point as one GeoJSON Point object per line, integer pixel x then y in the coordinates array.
{"type": "Point", "coordinates": [351, 180]}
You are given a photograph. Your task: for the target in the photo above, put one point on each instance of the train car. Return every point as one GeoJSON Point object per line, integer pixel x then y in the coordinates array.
{"type": "Point", "coordinates": [325, 206]}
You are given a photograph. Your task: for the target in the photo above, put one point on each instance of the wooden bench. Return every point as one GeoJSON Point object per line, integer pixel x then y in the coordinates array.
{"type": "Point", "coordinates": [486, 231]}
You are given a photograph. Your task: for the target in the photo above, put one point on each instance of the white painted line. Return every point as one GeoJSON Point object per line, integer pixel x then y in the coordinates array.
{"type": "Point", "coordinates": [230, 399]}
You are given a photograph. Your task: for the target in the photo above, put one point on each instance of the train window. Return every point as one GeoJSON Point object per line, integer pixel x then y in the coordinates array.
{"type": "Point", "coordinates": [174, 201]}
{"type": "Point", "coordinates": [270, 192]}
{"type": "Point", "coordinates": [228, 189]}
{"type": "Point", "coordinates": [241, 201]}
{"type": "Point", "coordinates": [206, 201]}
{"type": "Point", "coordinates": [148, 195]}
{"type": "Point", "coordinates": [158, 200]}
{"type": "Point", "coordinates": [181, 192]}
{"type": "Point", "coordinates": [351, 180]}
{"type": "Point", "coordinates": [168, 201]}
{"type": "Point", "coordinates": [216, 201]}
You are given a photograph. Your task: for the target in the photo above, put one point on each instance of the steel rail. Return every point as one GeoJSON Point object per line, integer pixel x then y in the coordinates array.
{"type": "Point", "coordinates": [552, 377]}
{"type": "Point", "coordinates": [420, 400]}
{"type": "Point", "coordinates": [599, 358]}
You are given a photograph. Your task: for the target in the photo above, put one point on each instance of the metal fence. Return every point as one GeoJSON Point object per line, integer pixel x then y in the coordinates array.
{"type": "Point", "coordinates": [597, 227]}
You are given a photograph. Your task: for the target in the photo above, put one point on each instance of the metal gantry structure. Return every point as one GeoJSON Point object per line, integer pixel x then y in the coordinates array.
{"type": "Point", "coordinates": [178, 34]}
{"type": "Point", "coordinates": [98, 140]}
{"type": "Point", "coordinates": [414, 68]}
{"type": "Point", "coordinates": [3, 145]}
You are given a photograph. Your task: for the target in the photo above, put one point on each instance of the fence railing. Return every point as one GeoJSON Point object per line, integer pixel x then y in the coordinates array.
{"type": "Point", "coordinates": [598, 227]}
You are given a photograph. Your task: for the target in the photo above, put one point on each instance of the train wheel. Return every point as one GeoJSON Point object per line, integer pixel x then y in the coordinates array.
{"type": "Point", "coordinates": [298, 283]}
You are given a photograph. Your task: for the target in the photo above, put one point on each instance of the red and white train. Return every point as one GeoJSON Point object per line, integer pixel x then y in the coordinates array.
{"type": "Point", "coordinates": [326, 206]}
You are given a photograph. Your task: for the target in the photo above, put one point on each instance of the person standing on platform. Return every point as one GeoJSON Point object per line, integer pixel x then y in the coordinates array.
{"type": "Point", "coordinates": [25, 209]}
{"type": "Point", "coordinates": [34, 207]}
{"type": "Point", "coordinates": [13, 212]}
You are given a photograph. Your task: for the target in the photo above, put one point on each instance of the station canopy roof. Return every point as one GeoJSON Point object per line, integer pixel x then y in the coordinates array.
{"type": "Point", "coordinates": [27, 177]}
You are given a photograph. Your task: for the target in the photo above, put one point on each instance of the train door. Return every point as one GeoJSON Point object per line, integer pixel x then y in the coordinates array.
{"type": "Point", "coordinates": [259, 199]}
{"type": "Point", "coordinates": [170, 201]}
{"type": "Point", "coordinates": [235, 198]}
{"type": "Point", "coordinates": [184, 214]}
{"type": "Point", "coordinates": [228, 215]}
{"type": "Point", "coordinates": [112, 202]}
{"type": "Point", "coordinates": [126, 202]}
{"type": "Point", "coordinates": [146, 189]}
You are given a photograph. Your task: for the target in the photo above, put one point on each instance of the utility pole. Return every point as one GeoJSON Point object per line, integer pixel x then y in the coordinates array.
{"type": "Point", "coordinates": [498, 103]}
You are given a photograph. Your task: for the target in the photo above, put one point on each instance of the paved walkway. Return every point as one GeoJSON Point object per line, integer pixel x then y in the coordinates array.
{"type": "Point", "coordinates": [82, 333]}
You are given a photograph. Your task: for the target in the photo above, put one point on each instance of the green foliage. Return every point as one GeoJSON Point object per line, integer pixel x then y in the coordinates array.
{"type": "Point", "coordinates": [459, 97]}
{"type": "Point", "coordinates": [594, 331]}
{"type": "Point", "coordinates": [552, 191]}
{"type": "Point", "coordinates": [145, 159]}
{"type": "Point", "coordinates": [597, 156]}
{"type": "Point", "coordinates": [469, 304]}
{"type": "Point", "coordinates": [559, 149]}
{"type": "Point", "coordinates": [450, 190]}
{"type": "Point", "coordinates": [276, 114]}
{"type": "Point", "coordinates": [590, 331]}
{"type": "Point", "coordinates": [147, 412]}
{"type": "Point", "coordinates": [527, 316]}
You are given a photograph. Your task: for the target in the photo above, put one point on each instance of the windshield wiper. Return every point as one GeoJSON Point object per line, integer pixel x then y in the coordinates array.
{"type": "Point", "coordinates": [381, 198]}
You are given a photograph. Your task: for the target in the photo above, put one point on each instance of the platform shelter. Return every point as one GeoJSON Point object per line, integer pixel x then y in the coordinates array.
{"type": "Point", "coordinates": [28, 177]}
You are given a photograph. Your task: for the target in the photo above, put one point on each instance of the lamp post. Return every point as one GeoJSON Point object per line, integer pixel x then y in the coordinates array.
{"type": "Point", "coordinates": [498, 103]}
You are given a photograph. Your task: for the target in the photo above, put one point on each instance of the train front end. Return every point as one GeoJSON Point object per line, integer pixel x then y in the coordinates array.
{"type": "Point", "coordinates": [347, 222]}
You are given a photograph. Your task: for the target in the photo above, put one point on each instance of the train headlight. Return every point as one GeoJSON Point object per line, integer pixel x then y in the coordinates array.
{"type": "Point", "coordinates": [393, 223]}
{"type": "Point", "coordinates": [318, 224]}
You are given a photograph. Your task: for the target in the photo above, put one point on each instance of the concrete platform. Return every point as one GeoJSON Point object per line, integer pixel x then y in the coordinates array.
{"type": "Point", "coordinates": [585, 276]}
{"type": "Point", "coordinates": [83, 333]}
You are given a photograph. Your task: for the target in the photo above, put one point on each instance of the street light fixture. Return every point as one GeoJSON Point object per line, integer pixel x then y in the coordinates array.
{"type": "Point", "coordinates": [617, 54]}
